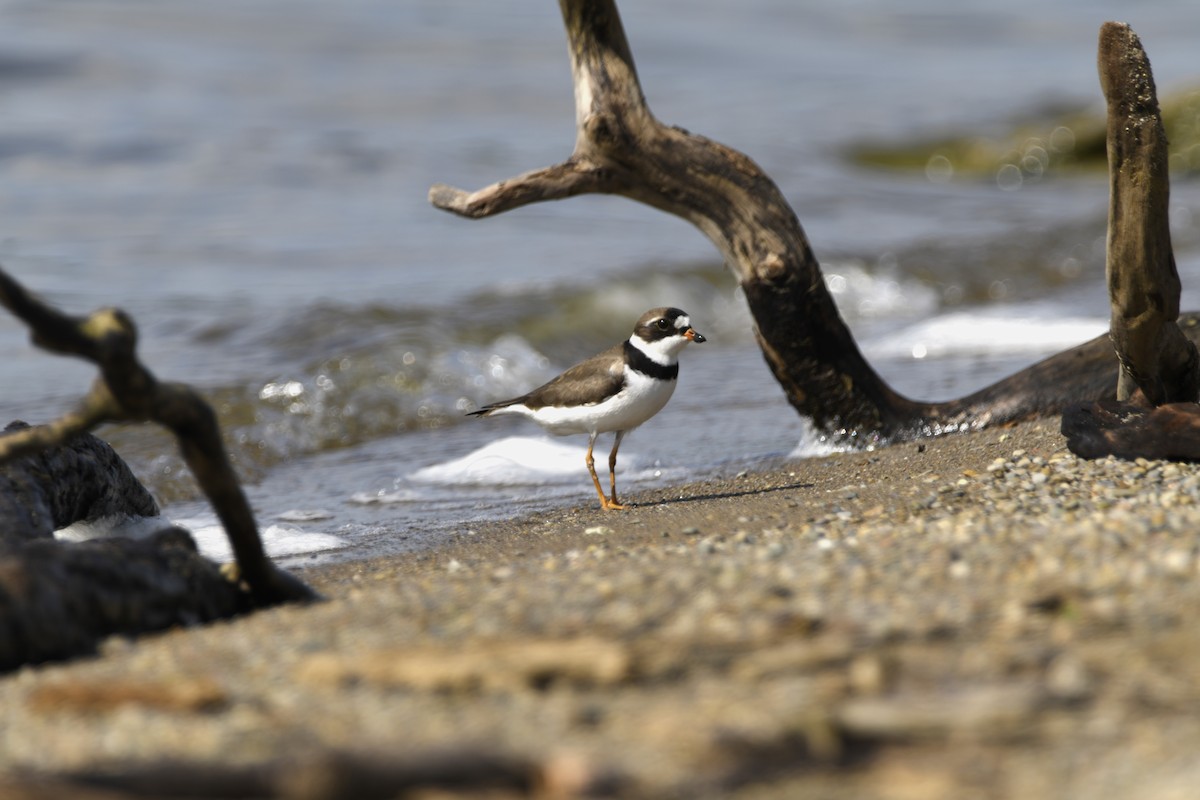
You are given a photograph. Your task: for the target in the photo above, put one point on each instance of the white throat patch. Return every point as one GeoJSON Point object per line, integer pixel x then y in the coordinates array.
{"type": "Point", "coordinates": [664, 351]}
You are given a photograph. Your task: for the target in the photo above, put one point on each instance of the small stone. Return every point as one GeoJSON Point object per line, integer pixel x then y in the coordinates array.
{"type": "Point", "coordinates": [868, 675]}
{"type": "Point", "coordinates": [1068, 679]}
{"type": "Point", "coordinates": [772, 551]}
{"type": "Point", "coordinates": [597, 530]}
{"type": "Point", "coordinates": [1177, 561]}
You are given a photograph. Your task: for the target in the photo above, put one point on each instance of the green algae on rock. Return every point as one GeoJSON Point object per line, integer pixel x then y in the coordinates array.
{"type": "Point", "coordinates": [1042, 143]}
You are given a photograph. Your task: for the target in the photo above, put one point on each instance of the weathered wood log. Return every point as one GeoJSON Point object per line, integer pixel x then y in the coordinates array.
{"type": "Point", "coordinates": [1143, 284]}
{"type": "Point", "coordinates": [81, 480]}
{"type": "Point", "coordinates": [61, 599]}
{"type": "Point", "coordinates": [127, 391]}
{"type": "Point", "coordinates": [1125, 430]}
{"type": "Point", "coordinates": [1159, 365]}
{"type": "Point", "coordinates": [620, 148]}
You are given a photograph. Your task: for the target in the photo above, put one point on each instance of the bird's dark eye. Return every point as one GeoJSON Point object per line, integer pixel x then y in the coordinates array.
{"type": "Point", "coordinates": [662, 324]}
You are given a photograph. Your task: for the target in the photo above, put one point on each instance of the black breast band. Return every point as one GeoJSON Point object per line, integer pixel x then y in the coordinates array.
{"type": "Point", "coordinates": [638, 360]}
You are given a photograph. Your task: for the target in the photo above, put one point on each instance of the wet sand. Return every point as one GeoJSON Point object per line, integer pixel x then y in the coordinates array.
{"type": "Point", "coordinates": [979, 615]}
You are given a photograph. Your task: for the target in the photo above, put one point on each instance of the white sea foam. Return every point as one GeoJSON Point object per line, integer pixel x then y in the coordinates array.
{"type": "Point", "coordinates": [513, 460]}
{"type": "Point", "coordinates": [112, 526]}
{"type": "Point", "coordinates": [278, 540]}
{"type": "Point", "coordinates": [813, 443]}
{"type": "Point", "coordinates": [867, 294]}
{"type": "Point", "coordinates": [528, 460]}
{"type": "Point", "coordinates": [305, 515]}
{"type": "Point", "coordinates": [388, 498]}
{"type": "Point", "coordinates": [985, 332]}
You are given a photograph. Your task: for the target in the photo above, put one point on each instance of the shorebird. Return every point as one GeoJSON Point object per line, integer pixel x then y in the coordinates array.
{"type": "Point", "coordinates": [616, 390]}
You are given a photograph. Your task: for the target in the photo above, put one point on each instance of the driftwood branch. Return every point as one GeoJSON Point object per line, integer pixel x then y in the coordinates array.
{"type": "Point", "coordinates": [1143, 284]}
{"type": "Point", "coordinates": [127, 391]}
{"type": "Point", "coordinates": [81, 479]}
{"type": "Point", "coordinates": [1170, 431]}
{"type": "Point", "coordinates": [620, 148]}
{"type": "Point", "coordinates": [552, 183]}
{"type": "Point", "coordinates": [1155, 413]}
{"type": "Point", "coordinates": [61, 599]}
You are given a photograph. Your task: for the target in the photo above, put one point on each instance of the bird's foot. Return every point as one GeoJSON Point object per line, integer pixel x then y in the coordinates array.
{"type": "Point", "coordinates": [612, 505]}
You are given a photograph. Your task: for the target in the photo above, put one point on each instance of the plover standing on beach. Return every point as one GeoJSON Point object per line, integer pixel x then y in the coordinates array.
{"type": "Point", "coordinates": [616, 390]}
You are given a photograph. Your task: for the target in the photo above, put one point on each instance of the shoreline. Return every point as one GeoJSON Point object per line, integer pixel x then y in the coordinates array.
{"type": "Point", "coordinates": [978, 614]}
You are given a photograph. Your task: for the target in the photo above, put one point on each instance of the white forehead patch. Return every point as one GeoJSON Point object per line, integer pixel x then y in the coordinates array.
{"type": "Point", "coordinates": [683, 323]}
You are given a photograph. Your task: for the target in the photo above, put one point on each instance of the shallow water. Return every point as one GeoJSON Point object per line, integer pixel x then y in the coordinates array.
{"type": "Point", "coordinates": [249, 181]}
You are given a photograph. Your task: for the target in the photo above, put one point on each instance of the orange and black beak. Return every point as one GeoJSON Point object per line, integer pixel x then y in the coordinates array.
{"type": "Point", "coordinates": [693, 335]}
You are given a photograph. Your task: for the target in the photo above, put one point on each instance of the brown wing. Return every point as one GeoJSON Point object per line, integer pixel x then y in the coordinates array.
{"type": "Point", "coordinates": [593, 380]}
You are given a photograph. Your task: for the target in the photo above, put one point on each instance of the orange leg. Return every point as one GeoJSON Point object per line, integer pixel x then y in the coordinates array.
{"type": "Point", "coordinates": [591, 465]}
{"type": "Point", "coordinates": [612, 471]}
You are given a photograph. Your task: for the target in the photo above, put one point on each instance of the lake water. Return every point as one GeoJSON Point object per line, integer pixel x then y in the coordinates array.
{"type": "Point", "coordinates": [248, 180]}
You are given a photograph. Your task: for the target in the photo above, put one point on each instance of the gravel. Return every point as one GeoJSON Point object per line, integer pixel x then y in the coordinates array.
{"type": "Point", "coordinates": [980, 615]}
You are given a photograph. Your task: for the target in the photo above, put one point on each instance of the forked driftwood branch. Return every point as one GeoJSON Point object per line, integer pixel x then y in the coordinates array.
{"type": "Point", "coordinates": [1155, 413]}
{"type": "Point", "coordinates": [1143, 284]}
{"type": "Point", "coordinates": [95, 589]}
{"type": "Point", "coordinates": [620, 148]}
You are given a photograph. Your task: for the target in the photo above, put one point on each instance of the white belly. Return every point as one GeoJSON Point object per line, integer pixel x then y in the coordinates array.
{"type": "Point", "coordinates": [640, 400]}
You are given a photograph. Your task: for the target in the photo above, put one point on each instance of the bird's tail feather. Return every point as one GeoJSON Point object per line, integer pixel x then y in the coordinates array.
{"type": "Point", "coordinates": [484, 411]}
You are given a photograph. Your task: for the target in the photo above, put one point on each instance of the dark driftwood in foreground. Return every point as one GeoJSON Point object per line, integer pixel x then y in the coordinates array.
{"type": "Point", "coordinates": [1143, 284]}
{"type": "Point", "coordinates": [620, 148]}
{"type": "Point", "coordinates": [82, 479]}
{"type": "Point", "coordinates": [127, 391]}
{"type": "Point", "coordinates": [60, 599]}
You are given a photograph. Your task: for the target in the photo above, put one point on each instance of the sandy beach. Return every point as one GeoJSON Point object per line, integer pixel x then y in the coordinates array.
{"type": "Point", "coordinates": [978, 615]}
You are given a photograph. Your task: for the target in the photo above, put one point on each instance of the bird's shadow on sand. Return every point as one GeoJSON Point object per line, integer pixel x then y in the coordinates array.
{"type": "Point", "coordinates": [720, 495]}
